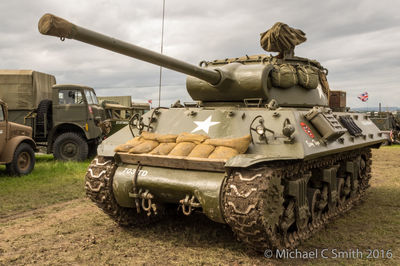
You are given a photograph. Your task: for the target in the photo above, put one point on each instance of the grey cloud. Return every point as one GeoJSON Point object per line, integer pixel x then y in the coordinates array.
{"type": "Point", "coordinates": [356, 40]}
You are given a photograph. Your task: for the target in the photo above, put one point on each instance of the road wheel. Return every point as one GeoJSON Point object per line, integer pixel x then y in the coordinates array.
{"type": "Point", "coordinates": [23, 160]}
{"type": "Point", "coordinates": [70, 147]}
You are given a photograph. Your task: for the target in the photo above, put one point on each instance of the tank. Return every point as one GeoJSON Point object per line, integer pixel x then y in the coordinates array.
{"type": "Point", "coordinates": [260, 150]}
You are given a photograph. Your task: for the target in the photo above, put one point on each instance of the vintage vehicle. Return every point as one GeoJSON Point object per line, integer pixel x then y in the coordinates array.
{"type": "Point", "coordinates": [17, 148]}
{"type": "Point", "coordinates": [120, 109]}
{"type": "Point", "coordinates": [66, 119]}
{"type": "Point", "coordinates": [389, 124]}
{"type": "Point", "coordinates": [259, 149]}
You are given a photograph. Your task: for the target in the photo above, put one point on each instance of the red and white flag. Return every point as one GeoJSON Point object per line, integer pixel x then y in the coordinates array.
{"type": "Point", "coordinates": [363, 96]}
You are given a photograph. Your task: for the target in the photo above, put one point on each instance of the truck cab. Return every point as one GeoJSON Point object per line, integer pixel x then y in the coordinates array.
{"type": "Point", "coordinates": [77, 122]}
{"type": "Point", "coordinates": [16, 145]}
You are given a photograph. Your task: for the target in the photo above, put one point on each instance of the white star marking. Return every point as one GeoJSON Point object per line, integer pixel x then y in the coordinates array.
{"type": "Point", "coordinates": [204, 125]}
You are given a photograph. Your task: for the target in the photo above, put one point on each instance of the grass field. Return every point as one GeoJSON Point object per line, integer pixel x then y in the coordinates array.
{"type": "Point", "coordinates": [45, 219]}
{"type": "Point", "coordinates": [49, 183]}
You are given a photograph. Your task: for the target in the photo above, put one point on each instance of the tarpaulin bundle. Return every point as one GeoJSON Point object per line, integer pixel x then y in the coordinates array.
{"type": "Point", "coordinates": [281, 38]}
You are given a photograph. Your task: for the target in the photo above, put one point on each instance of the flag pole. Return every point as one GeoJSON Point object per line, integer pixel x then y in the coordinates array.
{"type": "Point", "coordinates": [162, 48]}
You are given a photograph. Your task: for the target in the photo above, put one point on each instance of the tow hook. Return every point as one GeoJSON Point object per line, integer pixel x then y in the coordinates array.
{"type": "Point", "coordinates": [147, 205]}
{"type": "Point", "coordinates": [146, 201]}
{"type": "Point", "coordinates": [189, 204]}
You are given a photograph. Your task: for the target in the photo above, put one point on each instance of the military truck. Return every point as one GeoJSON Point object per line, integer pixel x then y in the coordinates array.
{"type": "Point", "coordinates": [389, 124]}
{"type": "Point", "coordinates": [120, 109]}
{"type": "Point", "coordinates": [258, 149]}
{"type": "Point", "coordinates": [66, 119]}
{"type": "Point", "coordinates": [17, 148]}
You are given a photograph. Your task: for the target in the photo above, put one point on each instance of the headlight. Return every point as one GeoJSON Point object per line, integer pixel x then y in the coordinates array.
{"type": "Point", "coordinates": [260, 130]}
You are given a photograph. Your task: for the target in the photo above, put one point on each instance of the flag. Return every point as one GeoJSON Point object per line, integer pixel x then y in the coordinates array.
{"type": "Point", "coordinates": [150, 101]}
{"type": "Point", "coordinates": [363, 96]}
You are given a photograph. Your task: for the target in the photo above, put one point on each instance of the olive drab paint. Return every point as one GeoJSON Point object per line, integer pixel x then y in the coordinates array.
{"type": "Point", "coordinates": [300, 149]}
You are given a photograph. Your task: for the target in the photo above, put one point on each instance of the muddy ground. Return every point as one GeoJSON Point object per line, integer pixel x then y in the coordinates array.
{"type": "Point", "coordinates": [77, 232]}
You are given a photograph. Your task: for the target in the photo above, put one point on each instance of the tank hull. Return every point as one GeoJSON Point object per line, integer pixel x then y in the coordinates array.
{"type": "Point", "coordinates": [288, 174]}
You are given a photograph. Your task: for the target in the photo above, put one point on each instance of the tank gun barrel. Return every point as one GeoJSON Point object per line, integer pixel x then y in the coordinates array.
{"type": "Point", "coordinates": [59, 27]}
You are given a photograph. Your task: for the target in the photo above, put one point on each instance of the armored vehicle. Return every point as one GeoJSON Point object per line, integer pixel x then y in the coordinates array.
{"type": "Point", "coordinates": [259, 149]}
{"type": "Point", "coordinates": [66, 119]}
{"type": "Point", "coordinates": [17, 148]}
{"type": "Point", "coordinates": [389, 124]}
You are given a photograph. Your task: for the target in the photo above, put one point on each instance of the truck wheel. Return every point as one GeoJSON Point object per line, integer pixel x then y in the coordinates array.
{"type": "Point", "coordinates": [70, 147]}
{"type": "Point", "coordinates": [23, 160]}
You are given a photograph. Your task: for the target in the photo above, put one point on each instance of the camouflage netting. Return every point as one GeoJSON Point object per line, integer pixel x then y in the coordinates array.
{"type": "Point", "coordinates": [185, 144]}
{"type": "Point", "coordinates": [281, 38]}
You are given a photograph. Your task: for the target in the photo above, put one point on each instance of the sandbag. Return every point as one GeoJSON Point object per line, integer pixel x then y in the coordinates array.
{"type": "Point", "coordinates": [182, 149]}
{"type": "Point", "coordinates": [202, 151]}
{"type": "Point", "coordinates": [224, 153]}
{"type": "Point", "coordinates": [135, 141]}
{"type": "Point", "coordinates": [239, 144]}
{"type": "Point", "coordinates": [284, 76]}
{"type": "Point", "coordinates": [144, 147]}
{"type": "Point", "coordinates": [167, 138]}
{"type": "Point", "coordinates": [149, 135]}
{"type": "Point", "coordinates": [308, 77]}
{"type": "Point", "coordinates": [188, 137]}
{"type": "Point", "coordinates": [163, 148]}
{"type": "Point", "coordinates": [123, 148]}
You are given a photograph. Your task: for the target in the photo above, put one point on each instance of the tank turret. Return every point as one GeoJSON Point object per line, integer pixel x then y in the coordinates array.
{"type": "Point", "coordinates": [290, 81]}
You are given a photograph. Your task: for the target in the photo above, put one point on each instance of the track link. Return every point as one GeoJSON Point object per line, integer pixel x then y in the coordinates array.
{"type": "Point", "coordinates": [253, 201]}
{"type": "Point", "coordinates": [98, 186]}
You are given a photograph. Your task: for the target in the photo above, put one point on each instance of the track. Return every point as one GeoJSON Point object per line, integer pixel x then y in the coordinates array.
{"type": "Point", "coordinates": [98, 186]}
{"type": "Point", "coordinates": [263, 216]}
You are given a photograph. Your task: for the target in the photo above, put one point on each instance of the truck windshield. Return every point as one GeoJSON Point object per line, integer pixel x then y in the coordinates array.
{"type": "Point", "coordinates": [94, 97]}
{"type": "Point", "coordinates": [88, 97]}
{"type": "Point", "coordinates": [91, 97]}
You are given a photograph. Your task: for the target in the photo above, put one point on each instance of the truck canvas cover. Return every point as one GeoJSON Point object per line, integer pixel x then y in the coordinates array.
{"type": "Point", "coordinates": [24, 89]}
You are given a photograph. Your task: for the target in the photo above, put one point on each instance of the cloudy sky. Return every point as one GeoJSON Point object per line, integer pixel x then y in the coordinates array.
{"type": "Point", "coordinates": [358, 41]}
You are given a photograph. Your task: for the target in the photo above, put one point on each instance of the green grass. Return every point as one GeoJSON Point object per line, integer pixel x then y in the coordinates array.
{"type": "Point", "coordinates": [50, 182]}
